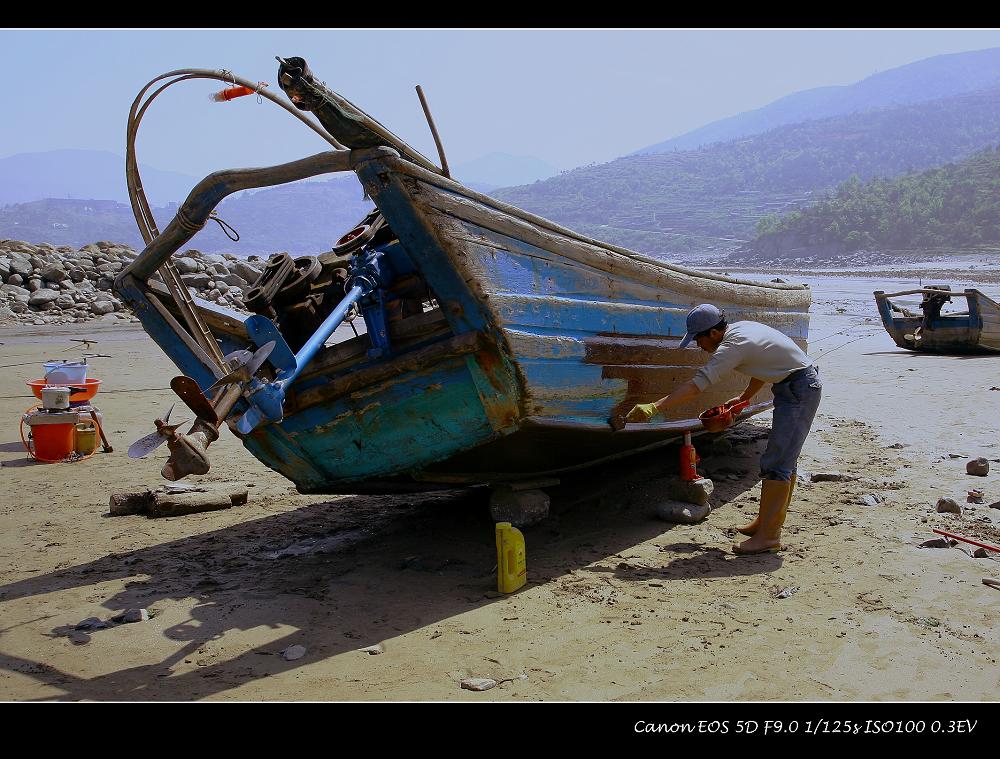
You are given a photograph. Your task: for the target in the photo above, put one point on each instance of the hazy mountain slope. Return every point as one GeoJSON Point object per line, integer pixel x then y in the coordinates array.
{"type": "Point", "coordinates": [930, 79]}
{"type": "Point", "coordinates": [710, 199]}
{"type": "Point", "coordinates": [82, 174]}
{"type": "Point", "coordinates": [952, 207]}
{"type": "Point", "coordinates": [306, 217]}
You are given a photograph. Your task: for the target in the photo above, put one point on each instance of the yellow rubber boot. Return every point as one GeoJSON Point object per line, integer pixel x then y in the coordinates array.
{"type": "Point", "coordinates": [751, 529]}
{"type": "Point", "coordinates": [774, 498]}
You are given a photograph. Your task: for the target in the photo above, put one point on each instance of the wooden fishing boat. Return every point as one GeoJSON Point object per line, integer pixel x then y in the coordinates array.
{"type": "Point", "coordinates": [974, 330]}
{"type": "Point", "coordinates": [495, 344]}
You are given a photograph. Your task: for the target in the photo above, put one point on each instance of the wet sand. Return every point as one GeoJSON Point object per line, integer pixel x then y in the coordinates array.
{"type": "Point", "coordinates": [619, 605]}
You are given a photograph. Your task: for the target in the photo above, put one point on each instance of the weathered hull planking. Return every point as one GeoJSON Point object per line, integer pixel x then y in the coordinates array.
{"type": "Point", "coordinates": [497, 343]}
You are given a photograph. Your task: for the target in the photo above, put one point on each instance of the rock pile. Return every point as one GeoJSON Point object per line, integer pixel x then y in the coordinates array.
{"type": "Point", "coordinates": [45, 284]}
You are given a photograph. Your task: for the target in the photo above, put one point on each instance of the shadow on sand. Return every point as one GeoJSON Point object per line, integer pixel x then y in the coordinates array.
{"type": "Point", "coordinates": [345, 573]}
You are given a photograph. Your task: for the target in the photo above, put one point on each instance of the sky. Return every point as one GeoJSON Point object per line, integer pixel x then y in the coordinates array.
{"type": "Point", "coordinates": [569, 97]}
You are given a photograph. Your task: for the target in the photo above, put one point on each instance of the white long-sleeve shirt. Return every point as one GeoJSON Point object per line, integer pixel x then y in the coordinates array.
{"type": "Point", "coordinates": [753, 349]}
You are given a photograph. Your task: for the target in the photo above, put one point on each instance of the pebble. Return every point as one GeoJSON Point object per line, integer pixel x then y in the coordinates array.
{"type": "Point", "coordinates": [132, 615]}
{"type": "Point", "coordinates": [478, 683]}
{"type": "Point", "coordinates": [872, 499]}
{"type": "Point", "coordinates": [91, 623]}
{"type": "Point", "coordinates": [948, 506]}
{"type": "Point", "coordinates": [293, 652]}
{"type": "Point", "coordinates": [373, 650]}
{"type": "Point", "coordinates": [981, 553]}
{"type": "Point", "coordinates": [979, 467]}
{"type": "Point", "coordinates": [939, 543]}
{"type": "Point", "coordinates": [682, 513]}
{"type": "Point", "coordinates": [832, 477]}
{"type": "Point", "coordinates": [788, 592]}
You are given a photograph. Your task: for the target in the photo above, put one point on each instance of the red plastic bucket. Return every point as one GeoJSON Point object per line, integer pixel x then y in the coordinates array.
{"type": "Point", "coordinates": [53, 442]}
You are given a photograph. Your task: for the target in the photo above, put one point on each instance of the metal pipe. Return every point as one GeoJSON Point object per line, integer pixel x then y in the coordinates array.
{"type": "Point", "coordinates": [966, 540]}
{"type": "Point", "coordinates": [308, 351]}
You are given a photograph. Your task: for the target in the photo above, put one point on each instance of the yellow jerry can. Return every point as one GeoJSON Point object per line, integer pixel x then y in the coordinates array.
{"type": "Point", "coordinates": [512, 569]}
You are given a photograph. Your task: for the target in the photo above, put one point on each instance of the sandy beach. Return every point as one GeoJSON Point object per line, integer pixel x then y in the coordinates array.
{"type": "Point", "coordinates": [619, 605]}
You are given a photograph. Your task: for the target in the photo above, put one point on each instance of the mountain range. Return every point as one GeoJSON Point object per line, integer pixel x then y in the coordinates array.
{"type": "Point", "coordinates": [930, 79]}
{"type": "Point", "coordinates": [662, 200]}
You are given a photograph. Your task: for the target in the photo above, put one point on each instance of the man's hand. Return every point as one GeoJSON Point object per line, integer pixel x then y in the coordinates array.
{"type": "Point", "coordinates": [734, 401]}
{"type": "Point", "coordinates": [642, 412]}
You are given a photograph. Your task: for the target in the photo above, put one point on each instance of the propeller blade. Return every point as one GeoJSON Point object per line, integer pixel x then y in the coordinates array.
{"type": "Point", "coordinates": [188, 391]}
{"type": "Point", "coordinates": [237, 375]}
{"type": "Point", "coordinates": [260, 357]}
{"type": "Point", "coordinates": [166, 416]}
{"type": "Point", "coordinates": [245, 372]}
{"type": "Point", "coordinates": [249, 421]}
{"type": "Point", "coordinates": [240, 357]}
{"type": "Point", "coordinates": [146, 445]}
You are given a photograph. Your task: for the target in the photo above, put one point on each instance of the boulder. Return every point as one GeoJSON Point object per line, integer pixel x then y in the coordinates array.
{"type": "Point", "coordinates": [21, 266]}
{"type": "Point", "coordinates": [100, 307]}
{"type": "Point", "coordinates": [247, 272]}
{"type": "Point", "coordinates": [65, 301]}
{"type": "Point", "coordinates": [76, 274]}
{"type": "Point", "coordinates": [522, 508]}
{"type": "Point", "coordinates": [186, 265]}
{"type": "Point", "coordinates": [948, 506]}
{"type": "Point", "coordinates": [235, 280]}
{"type": "Point", "coordinates": [689, 491]}
{"type": "Point", "coordinates": [21, 294]}
{"type": "Point", "coordinates": [41, 296]}
{"type": "Point", "coordinates": [54, 273]}
{"type": "Point", "coordinates": [979, 467]}
{"type": "Point", "coordinates": [196, 280]}
{"type": "Point", "coordinates": [15, 279]}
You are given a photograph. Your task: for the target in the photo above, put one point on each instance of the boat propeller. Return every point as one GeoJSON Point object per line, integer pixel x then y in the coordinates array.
{"type": "Point", "coordinates": [164, 433]}
{"type": "Point", "coordinates": [247, 365]}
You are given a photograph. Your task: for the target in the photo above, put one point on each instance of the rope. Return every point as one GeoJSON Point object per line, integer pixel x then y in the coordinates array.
{"type": "Point", "coordinates": [226, 228]}
{"type": "Point", "coordinates": [827, 353]}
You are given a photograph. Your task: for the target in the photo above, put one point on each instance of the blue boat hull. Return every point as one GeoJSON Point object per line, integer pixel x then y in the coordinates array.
{"type": "Point", "coordinates": [538, 337]}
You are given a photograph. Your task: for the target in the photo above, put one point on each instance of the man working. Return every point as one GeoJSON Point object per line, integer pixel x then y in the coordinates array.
{"type": "Point", "coordinates": [765, 355]}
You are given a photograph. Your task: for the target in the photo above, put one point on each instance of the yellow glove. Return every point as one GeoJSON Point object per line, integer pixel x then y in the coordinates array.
{"type": "Point", "coordinates": [642, 412]}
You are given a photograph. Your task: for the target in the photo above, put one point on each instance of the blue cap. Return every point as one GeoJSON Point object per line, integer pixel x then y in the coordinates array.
{"type": "Point", "coordinates": [699, 319]}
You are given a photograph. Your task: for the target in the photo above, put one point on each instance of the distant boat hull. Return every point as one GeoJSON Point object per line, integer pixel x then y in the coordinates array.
{"type": "Point", "coordinates": [975, 331]}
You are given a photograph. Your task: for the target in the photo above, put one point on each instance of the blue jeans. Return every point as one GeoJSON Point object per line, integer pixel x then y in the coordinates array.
{"type": "Point", "coordinates": [795, 402]}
